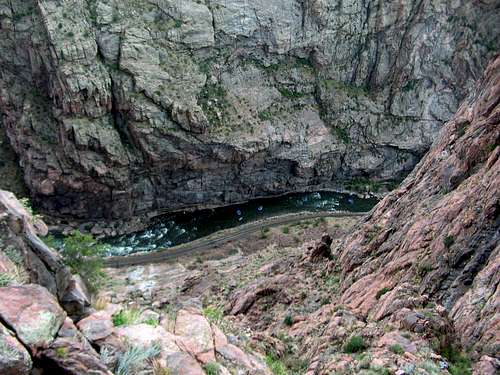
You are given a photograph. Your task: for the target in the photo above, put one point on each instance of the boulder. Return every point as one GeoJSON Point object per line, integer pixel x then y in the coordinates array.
{"type": "Point", "coordinates": [70, 353]}
{"type": "Point", "coordinates": [76, 298]}
{"type": "Point", "coordinates": [14, 358]}
{"type": "Point", "coordinates": [34, 314]}
{"type": "Point", "coordinates": [322, 249]}
{"type": "Point", "coordinates": [183, 364]}
{"type": "Point", "coordinates": [196, 335]}
{"type": "Point", "coordinates": [244, 299]}
{"type": "Point", "coordinates": [96, 326]}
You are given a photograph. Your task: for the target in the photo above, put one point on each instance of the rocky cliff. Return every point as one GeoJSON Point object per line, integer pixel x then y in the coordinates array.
{"type": "Point", "coordinates": [437, 236]}
{"type": "Point", "coordinates": [120, 108]}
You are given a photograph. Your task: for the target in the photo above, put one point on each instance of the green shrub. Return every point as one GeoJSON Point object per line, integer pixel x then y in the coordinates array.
{"type": "Point", "coordinates": [126, 317]}
{"type": "Point", "coordinates": [355, 344]}
{"type": "Point", "coordinates": [397, 349]}
{"type": "Point", "coordinates": [381, 292]}
{"type": "Point", "coordinates": [275, 365]}
{"type": "Point", "coordinates": [151, 321]}
{"type": "Point", "coordinates": [82, 254]}
{"type": "Point", "coordinates": [459, 363]}
{"type": "Point", "coordinates": [211, 368]}
{"type": "Point", "coordinates": [61, 352]}
{"type": "Point", "coordinates": [285, 230]}
{"type": "Point", "coordinates": [288, 320]}
{"type": "Point", "coordinates": [213, 314]}
{"type": "Point", "coordinates": [448, 241]}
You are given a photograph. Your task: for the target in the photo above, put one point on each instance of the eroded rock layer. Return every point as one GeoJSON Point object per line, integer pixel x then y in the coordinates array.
{"type": "Point", "coordinates": [120, 108]}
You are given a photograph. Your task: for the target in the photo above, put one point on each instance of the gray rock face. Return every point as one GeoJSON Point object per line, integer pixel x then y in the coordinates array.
{"type": "Point", "coordinates": [124, 108]}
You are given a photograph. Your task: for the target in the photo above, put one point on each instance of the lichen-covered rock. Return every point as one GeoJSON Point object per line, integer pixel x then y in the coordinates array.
{"type": "Point", "coordinates": [33, 313]}
{"type": "Point", "coordinates": [14, 358]}
{"type": "Point", "coordinates": [122, 109]}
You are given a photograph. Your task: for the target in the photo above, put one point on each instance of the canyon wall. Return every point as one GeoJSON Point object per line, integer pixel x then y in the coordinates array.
{"type": "Point", "coordinates": [437, 236]}
{"type": "Point", "coordinates": [121, 108]}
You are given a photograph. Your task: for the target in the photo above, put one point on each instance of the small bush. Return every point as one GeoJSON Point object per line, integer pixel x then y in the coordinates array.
{"type": "Point", "coordinates": [381, 292]}
{"type": "Point", "coordinates": [288, 321]}
{"type": "Point", "coordinates": [213, 314]}
{"type": "Point", "coordinates": [275, 365]}
{"type": "Point", "coordinates": [82, 254]}
{"type": "Point", "coordinates": [126, 317]}
{"type": "Point", "coordinates": [151, 321]}
{"type": "Point", "coordinates": [211, 368]}
{"type": "Point", "coordinates": [61, 352]}
{"type": "Point", "coordinates": [397, 349]}
{"type": "Point", "coordinates": [285, 230]}
{"type": "Point", "coordinates": [355, 344]}
{"type": "Point", "coordinates": [448, 241]}
{"type": "Point", "coordinates": [459, 363]}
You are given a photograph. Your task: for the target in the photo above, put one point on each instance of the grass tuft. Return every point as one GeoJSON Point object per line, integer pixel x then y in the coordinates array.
{"type": "Point", "coordinates": [126, 317]}
{"type": "Point", "coordinates": [355, 344]}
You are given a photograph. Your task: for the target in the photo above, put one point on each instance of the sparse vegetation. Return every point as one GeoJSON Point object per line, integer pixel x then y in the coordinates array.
{"type": "Point", "coordinates": [289, 94]}
{"type": "Point", "coordinates": [213, 100]}
{"type": "Point", "coordinates": [213, 314]}
{"type": "Point", "coordinates": [362, 184]}
{"type": "Point", "coordinates": [211, 368]}
{"type": "Point", "coordinates": [16, 275]}
{"type": "Point", "coordinates": [135, 358]}
{"type": "Point", "coordinates": [397, 349]}
{"type": "Point", "coordinates": [126, 317]}
{"type": "Point", "coordinates": [355, 344]}
{"type": "Point", "coordinates": [151, 321]}
{"type": "Point", "coordinates": [424, 268]}
{"type": "Point", "coordinates": [265, 115]}
{"type": "Point", "coordinates": [61, 352]}
{"type": "Point", "coordinates": [264, 233]}
{"type": "Point", "coordinates": [448, 241]}
{"type": "Point", "coordinates": [158, 368]}
{"type": "Point", "coordinates": [29, 208]}
{"type": "Point", "coordinates": [100, 303]}
{"type": "Point", "coordinates": [288, 321]}
{"type": "Point", "coordinates": [6, 279]}
{"type": "Point", "coordinates": [459, 363]}
{"type": "Point", "coordinates": [275, 365]}
{"type": "Point", "coordinates": [82, 254]}
{"type": "Point", "coordinates": [382, 291]}
{"type": "Point", "coordinates": [341, 134]}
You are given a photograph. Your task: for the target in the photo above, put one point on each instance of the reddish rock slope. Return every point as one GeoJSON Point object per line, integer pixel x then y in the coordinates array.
{"type": "Point", "coordinates": [438, 234]}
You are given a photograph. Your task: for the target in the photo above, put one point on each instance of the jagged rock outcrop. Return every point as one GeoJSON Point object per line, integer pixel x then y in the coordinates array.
{"type": "Point", "coordinates": [25, 258]}
{"type": "Point", "coordinates": [118, 109]}
{"type": "Point", "coordinates": [438, 235]}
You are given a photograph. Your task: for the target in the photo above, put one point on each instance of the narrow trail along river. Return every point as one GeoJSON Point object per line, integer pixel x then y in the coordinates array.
{"type": "Point", "coordinates": [180, 228]}
{"type": "Point", "coordinates": [219, 238]}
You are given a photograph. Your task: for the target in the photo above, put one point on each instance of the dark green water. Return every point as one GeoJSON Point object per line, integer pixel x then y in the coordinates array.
{"type": "Point", "coordinates": [180, 228]}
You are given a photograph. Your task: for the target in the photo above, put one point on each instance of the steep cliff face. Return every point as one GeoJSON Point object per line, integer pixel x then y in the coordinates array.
{"type": "Point", "coordinates": [120, 108]}
{"type": "Point", "coordinates": [438, 236]}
